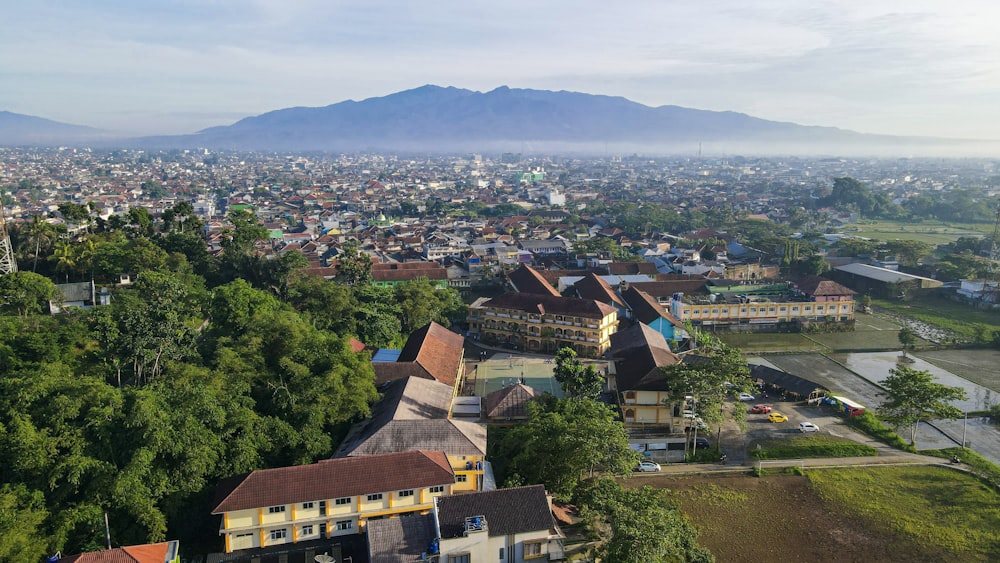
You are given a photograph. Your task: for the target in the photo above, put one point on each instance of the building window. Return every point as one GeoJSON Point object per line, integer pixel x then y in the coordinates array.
{"type": "Point", "coordinates": [308, 505]}
{"type": "Point", "coordinates": [408, 493]}
{"type": "Point", "coordinates": [345, 524]}
{"type": "Point", "coordinates": [532, 549]}
{"type": "Point", "coordinates": [275, 509]}
{"type": "Point", "coordinates": [437, 489]}
{"type": "Point", "coordinates": [342, 501]}
{"type": "Point", "coordinates": [501, 554]}
{"type": "Point", "coordinates": [460, 558]}
{"type": "Point", "coordinates": [461, 478]}
{"type": "Point", "coordinates": [376, 496]}
{"type": "Point", "coordinates": [307, 530]}
{"type": "Point", "coordinates": [322, 530]}
{"type": "Point", "coordinates": [279, 534]}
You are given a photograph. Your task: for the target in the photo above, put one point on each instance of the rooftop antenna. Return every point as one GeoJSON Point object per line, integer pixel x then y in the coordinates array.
{"type": "Point", "coordinates": [7, 263]}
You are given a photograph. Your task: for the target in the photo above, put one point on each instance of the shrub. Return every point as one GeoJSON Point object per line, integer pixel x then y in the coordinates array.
{"type": "Point", "coordinates": [870, 424]}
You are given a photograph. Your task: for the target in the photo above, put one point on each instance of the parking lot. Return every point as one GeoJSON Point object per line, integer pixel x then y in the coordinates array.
{"type": "Point", "coordinates": [737, 445]}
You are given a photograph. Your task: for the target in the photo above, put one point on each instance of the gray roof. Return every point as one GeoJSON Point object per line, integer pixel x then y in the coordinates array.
{"type": "Point", "coordinates": [507, 511]}
{"type": "Point", "coordinates": [399, 540]}
{"type": "Point", "coordinates": [454, 437]}
{"type": "Point", "coordinates": [880, 274]}
{"type": "Point", "coordinates": [510, 402]}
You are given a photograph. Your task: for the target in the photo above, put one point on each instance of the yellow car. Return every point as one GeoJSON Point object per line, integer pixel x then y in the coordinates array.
{"type": "Point", "coordinates": [777, 417]}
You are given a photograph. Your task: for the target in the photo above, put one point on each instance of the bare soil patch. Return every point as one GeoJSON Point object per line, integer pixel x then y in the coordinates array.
{"type": "Point", "coordinates": [780, 518]}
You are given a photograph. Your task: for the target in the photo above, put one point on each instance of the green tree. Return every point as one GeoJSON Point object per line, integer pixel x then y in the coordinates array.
{"type": "Point", "coordinates": [331, 306]}
{"type": "Point", "coordinates": [39, 236]}
{"type": "Point", "coordinates": [565, 440]}
{"type": "Point", "coordinates": [22, 515]}
{"type": "Point", "coordinates": [354, 267]}
{"type": "Point", "coordinates": [907, 338]}
{"type": "Point", "coordinates": [648, 528]}
{"type": "Point", "coordinates": [26, 293]}
{"type": "Point", "coordinates": [908, 252]}
{"type": "Point", "coordinates": [912, 395]}
{"type": "Point", "coordinates": [577, 381]}
{"type": "Point", "coordinates": [705, 378]}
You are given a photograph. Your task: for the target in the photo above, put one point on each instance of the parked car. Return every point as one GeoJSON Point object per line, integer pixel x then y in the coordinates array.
{"type": "Point", "coordinates": [696, 422]}
{"type": "Point", "coordinates": [777, 417]}
{"type": "Point", "coordinates": [647, 466]}
{"type": "Point", "coordinates": [808, 427]}
{"type": "Point", "coordinates": [761, 409]}
{"type": "Point", "coordinates": [746, 397]}
{"type": "Point", "coordinates": [701, 443]}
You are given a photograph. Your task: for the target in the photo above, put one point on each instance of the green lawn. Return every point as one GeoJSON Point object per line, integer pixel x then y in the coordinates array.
{"type": "Point", "coordinates": [933, 232]}
{"type": "Point", "coordinates": [799, 447]}
{"type": "Point", "coordinates": [931, 506]}
{"type": "Point", "coordinates": [770, 342]}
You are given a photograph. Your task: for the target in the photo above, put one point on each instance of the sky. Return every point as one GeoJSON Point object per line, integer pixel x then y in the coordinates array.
{"type": "Point", "coordinates": [899, 67]}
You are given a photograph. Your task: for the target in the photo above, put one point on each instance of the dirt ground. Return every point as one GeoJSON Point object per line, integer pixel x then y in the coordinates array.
{"type": "Point", "coordinates": [779, 518]}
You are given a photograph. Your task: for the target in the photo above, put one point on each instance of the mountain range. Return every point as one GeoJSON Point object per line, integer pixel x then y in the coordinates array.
{"type": "Point", "coordinates": [17, 130]}
{"type": "Point", "coordinates": [447, 119]}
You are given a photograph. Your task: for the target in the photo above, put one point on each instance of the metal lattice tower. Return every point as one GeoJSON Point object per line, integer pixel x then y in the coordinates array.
{"type": "Point", "coordinates": [7, 263]}
{"type": "Point", "coordinates": [993, 275]}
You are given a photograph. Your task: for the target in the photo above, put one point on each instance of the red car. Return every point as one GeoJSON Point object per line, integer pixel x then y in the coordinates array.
{"type": "Point", "coordinates": [761, 409]}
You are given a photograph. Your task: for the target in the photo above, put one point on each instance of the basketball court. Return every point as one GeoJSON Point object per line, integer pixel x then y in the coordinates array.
{"type": "Point", "coordinates": [505, 370]}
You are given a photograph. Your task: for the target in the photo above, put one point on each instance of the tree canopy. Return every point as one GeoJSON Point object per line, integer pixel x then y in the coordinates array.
{"type": "Point", "coordinates": [577, 380]}
{"type": "Point", "coordinates": [913, 395]}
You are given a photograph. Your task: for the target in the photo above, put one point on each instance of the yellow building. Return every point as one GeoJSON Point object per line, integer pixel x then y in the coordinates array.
{"type": "Point", "coordinates": [638, 355]}
{"type": "Point", "coordinates": [544, 323]}
{"type": "Point", "coordinates": [330, 498]}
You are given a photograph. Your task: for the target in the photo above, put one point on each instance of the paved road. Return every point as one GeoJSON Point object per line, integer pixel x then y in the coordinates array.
{"type": "Point", "coordinates": [899, 458]}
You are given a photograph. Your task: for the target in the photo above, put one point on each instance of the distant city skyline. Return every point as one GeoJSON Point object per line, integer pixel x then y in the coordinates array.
{"type": "Point", "coordinates": [915, 67]}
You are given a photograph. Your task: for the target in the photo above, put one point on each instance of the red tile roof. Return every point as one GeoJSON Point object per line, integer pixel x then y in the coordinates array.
{"type": "Point", "coordinates": [547, 304]}
{"type": "Point", "coordinates": [437, 350]}
{"type": "Point", "coordinates": [148, 553]}
{"type": "Point", "coordinates": [334, 478]}
{"type": "Point", "coordinates": [526, 280]}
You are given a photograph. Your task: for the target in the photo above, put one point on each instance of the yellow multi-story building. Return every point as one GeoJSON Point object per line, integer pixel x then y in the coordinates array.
{"type": "Point", "coordinates": [544, 323]}
{"type": "Point", "coordinates": [330, 498]}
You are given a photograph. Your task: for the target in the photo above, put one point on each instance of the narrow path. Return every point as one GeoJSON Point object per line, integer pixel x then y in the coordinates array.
{"type": "Point", "coordinates": [896, 458]}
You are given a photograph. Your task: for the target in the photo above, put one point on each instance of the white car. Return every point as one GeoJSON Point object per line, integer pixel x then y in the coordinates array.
{"type": "Point", "coordinates": [648, 466]}
{"type": "Point", "coordinates": [746, 397]}
{"type": "Point", "coordinates": [808, 427]}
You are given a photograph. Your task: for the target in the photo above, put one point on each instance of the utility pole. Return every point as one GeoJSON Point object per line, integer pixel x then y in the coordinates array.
{"type": "Point", "coordinates": [7, 263]}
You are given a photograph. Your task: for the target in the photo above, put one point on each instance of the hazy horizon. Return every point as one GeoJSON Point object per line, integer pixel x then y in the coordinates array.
{"type": "Point", "coordinates": [913, 68]}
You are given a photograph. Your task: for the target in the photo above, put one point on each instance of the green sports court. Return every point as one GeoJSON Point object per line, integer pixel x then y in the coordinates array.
{"type": "Point", "coordinates": [503, 370]}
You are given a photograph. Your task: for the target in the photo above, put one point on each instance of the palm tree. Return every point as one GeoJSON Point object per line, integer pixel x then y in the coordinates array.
{"type": "Point", "coordinates": [65, 258]}
{"type": "Point", "coordinates": [39, 236]}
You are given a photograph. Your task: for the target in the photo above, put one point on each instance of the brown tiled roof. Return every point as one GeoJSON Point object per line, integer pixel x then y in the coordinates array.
{"type": "Point", "coordinates": [526, 280]}
{"type": "Point", "coordinates": [510, 402]}
{"type": "Point", "coordinates": [148, 553]}
{"type": "Point", "coordinates": [820, 286]}
{"type": "Point", "coordinates": [632, 268]}
{"type": "Point", "coordinates": [391, 371]}
{"type": "Point", "coordinates": [507, 511]}
{"type": "Point", "coordinates": [594, 287]}
{"type": "Point", "coordinates": [664, 289]}
{"type": "Point", "coordinates": [437, 350]}
{"type": "Point", "coordinates": [408, 271]}
{"type": "Point", "coordinates": [646, 309]}
{"type": "Point", "coordinates": [552, 276]}
{"type": "Point", "coordinates": [334, 478]}
{"type": "Point", "coordinates": [547, 304]}
{"type": "Point", "coordinates": [639, 352]}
